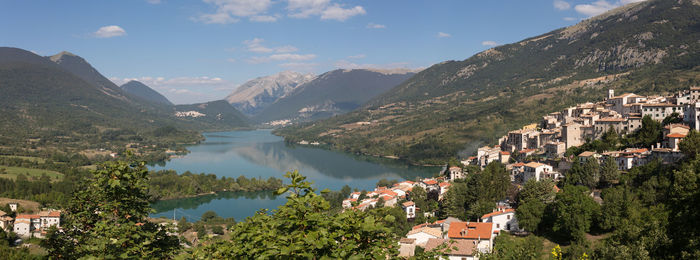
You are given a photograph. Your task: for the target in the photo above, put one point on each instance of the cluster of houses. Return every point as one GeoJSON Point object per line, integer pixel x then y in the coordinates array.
{"type": "Point", "coordinates": [390, 196]}
{"type": "Point", "coordinates": [573, 126]}
{"type": "Point", "coordinates": [29, 225]}
{"type": "Point", "coordinates": [464, 239]}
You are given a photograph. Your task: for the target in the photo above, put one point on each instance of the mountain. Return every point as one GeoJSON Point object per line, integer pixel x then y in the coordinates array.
{"type": "Point", "coordinates": [255, 95]}
{"type": "Point", "coordinates": [212, 115]}
{"type": "Point", "coordinates": [452, 107]}
{"type": "Point", "coordinates": [140, 90]}
{"type": "Point", "coordinates": [334, 92]}
{"type": "Point", "coordinates": [81, 68]}
{"type": "Point", "coordinates": [41, 97]}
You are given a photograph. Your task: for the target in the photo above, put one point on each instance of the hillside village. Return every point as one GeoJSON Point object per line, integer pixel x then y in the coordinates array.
{"type": "Point", "coordinates": [537, 152]}
{"type": "Point", "coordinates": [28, 225]}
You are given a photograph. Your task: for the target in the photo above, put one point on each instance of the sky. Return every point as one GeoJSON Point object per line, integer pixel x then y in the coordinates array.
{"type": "Point", "coordinates": [201, 50]}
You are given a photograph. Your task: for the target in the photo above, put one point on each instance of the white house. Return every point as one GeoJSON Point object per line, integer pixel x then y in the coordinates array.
{"type": "Point", "coordinates": [23, 227]}
{"type": "Point", "coordinates": [503, 219]}
{"type": "Point", "coordinates": [13, 206]}
{"type": "Point", "coordinates": [455, 172]}
{"type": "Point", "coordinates": [410, 209]}
{"type": "Point", "coordinates": [50, 218]}
{"type": "Point", "coordinates": [479, 233]}
{"type": "Point", "coordinates": [538, 171]}
{"type": "Point", "coordinates": [421, 235]}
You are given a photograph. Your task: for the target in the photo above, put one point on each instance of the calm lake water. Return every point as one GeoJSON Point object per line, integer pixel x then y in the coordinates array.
{"type": "Point", "coordinates": [261, 154]}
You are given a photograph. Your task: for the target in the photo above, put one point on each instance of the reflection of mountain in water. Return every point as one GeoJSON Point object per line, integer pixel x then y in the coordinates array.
{"type": "Point", "coordinates": [284, 158]}
{"type": "Point", "coordinates": [194, 202]}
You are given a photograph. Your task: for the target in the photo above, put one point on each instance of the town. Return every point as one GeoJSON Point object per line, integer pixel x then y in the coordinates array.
{"type": "Point", "coordinates": [536, 152]}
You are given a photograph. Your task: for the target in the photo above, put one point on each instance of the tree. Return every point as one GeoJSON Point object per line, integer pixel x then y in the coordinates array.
{"type": "Point", "coordinates": [586, 174]}
{"type": "Point", "coordinates": [107, 219]}
{"type": "Point", "coordinates": [182, 225]}
{"type": "Point", "coordinates": [509, 247]}
{"type": "Point", "coordinates": [690, 145]}
{"type": "Point", "coordinates": [208, 216]}
{"type": "Point", "coordinates": [610, 139]}
{"type": "Point", "coordinates": [532, 202]}
{"type": "Point", "coordinates": [574, 212]}
{"type": "Point", "coordinates": [609, 172]}
{"type": "Point", "coordinates": [301, 228]}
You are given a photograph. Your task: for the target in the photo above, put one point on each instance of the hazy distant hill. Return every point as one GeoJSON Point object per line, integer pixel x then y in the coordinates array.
{"type": "Point", "coordinates": [212, 115]}
{"type": "Point", "coordinates": [255, 95]}
{"type": "Point", "coordinates": [647, 47]}
{"type": "Point", "coordinates": [334, 92]}
{"type": "Point", "coordinates": [144, 92]}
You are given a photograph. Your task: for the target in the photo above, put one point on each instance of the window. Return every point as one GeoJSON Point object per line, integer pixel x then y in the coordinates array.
{"type": "Point", "coordinates": [508, 216]}
{"type": "Point", "coordinates": [498, 225]}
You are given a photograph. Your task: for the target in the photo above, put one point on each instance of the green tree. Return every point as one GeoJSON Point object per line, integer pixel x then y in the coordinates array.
{"type": "Point", "coordinates": [107, 219]}
{"type": "Point", "coordinates": [182, 225]}
{"type": "Point", "coordinates": [510, 247]}
{"type": "Point", "coordinates": [574, 212]}
{"type": "Point", "coordinates": [209, 216]}
{"type": "Point", "coordinates": [586, 174]}
{"type": "Point", "coordinates": [609, 172]}
{"type": "Point", "coordinates": [690, 145]}
{"type": "Point", "coordinates": [532, 202]}
{"type": "Point", "coordinates": [301, 229]}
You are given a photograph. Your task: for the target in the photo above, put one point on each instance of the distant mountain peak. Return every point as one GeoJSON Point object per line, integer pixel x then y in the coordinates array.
{"type": "Point", "coordinates": [256, 94]}
{"type": "Point", "coordinates": [140, 90]}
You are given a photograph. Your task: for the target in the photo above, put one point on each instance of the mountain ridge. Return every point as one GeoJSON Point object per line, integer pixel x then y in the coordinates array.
{"type": "Point", "coordinates": [140, 90]}
{"type": "Point", "coordinates": [256, 94]}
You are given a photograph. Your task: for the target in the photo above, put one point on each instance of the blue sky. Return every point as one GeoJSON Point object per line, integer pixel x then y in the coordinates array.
{"type": "Point", "coordinates": [200, 50]}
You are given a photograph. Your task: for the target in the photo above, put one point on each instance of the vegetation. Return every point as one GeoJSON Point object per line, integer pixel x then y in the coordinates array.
{"type": "Point", "coordinates": [107, 219]}
{"type": "Point", "coordinates": [167, 184]}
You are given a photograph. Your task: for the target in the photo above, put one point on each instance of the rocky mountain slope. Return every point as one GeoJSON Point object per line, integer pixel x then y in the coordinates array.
{"type": "Point", "coordinates": [140, 90]}
{"type": "Point", "coordinates": [332, 93]}
{"type": "Point", "coordinates": [257, 94]}
{"type": "Point", "coordinates": [649, 47]}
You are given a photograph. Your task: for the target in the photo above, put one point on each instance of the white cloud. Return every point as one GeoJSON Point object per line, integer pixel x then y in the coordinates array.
{"type": "Point", "coordinates": [595, 8]}
{"type": "Point", "coordinates": [561, 5]}
{"type": "Point", "coordinates": [282, 57]}
{"type": "Point", "coordinates": [570, 19]}
{"type": "Point", "coordinates": [255, 45]}
{"type": "Point", "coordinates": [375, 26]}
{"type": "Point", "coordinates": [443, 35]}
{"type": "Point", "coordinates": [263, 18]}
{"type": "Point", "coordinates": [109, 31]}
{"type": "Point", "coordinates": [324, 8]}
{"type": "Point", "coordinates": [336, 12]}
{"type": "Point", "coordinates": [358, 56]}
{"type": "Point", "coordinates": [185, 90]}
{"type": "Point", "coordinates": [153, 2]}
{"type": "Point", "coordinates": [489, 43]}
{"type": "Point", "coordinates": [601, 6]}
{"type": "Point", "coordinates": [229, 11]}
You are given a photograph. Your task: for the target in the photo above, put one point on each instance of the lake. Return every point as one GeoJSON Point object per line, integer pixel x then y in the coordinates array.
{"type": "Point", "coordinates": [261, 154]}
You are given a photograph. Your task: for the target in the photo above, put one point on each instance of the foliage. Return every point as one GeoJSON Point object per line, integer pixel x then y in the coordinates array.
{"type": "Point", "coordinates": [609, 172]}
{"type": "Point", "coordinates": [574, 212]}
{"type": "Point", "coordinates": [514, 248]}
{"type": "Point", "coordinates": [301, 229]}
{"type": "Point", "coordinates": [586, 173]}
{"type": "Point", "coordinates": [690, 145]}
{"type": "Point", "coordinates": [107, 219]}
{"type": "Point", "coordinates": [532, 201]}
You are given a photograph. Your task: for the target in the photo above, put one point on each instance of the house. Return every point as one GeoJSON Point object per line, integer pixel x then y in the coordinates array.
{"type": "Point", "coordinates": [13, 206]}
{"type": "Point", "coordinates": [355, 195]}
{"type": "Point", "coordinates": [459, 249]}
{"type": "Point", "coordinates": [50, 218]}
{"type": "Point", "coordinates": [555, 149]}
{"type": "Point", "coordinates": [5, 220]}
{"type": "Point", "coordinates": [455, 172]}
{"type": "Point", "coordinates": [26, 224]}
{"type": "Point", "coordinates": [504, 156]}
{"type": "Point", "coordinates": [537, 171]}
{"type": "Point", "coordinates": [479, 233]}
{"type": "Point", "coordinates": [444, 187]}
{"type": "Point", "coordinates": [429, 184]}
{"type": "Point", "coordinates": [502, 219]}
{"type": "Point", "coordinates": [421, 235]}
{"type": "Point", "coordinates": [587, 155]}
{"type": "Point", "coordinates": [348, 203]}
{"type": "Point", "coordinates": [410, 209]}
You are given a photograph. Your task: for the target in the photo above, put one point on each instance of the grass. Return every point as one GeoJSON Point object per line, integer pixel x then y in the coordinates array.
{"type": "Point", "coordinates": [29, 206]}
{"type": "Point", "coordinates": [12, 173]}
{"type": "Point", "coordinates": [28, 158]}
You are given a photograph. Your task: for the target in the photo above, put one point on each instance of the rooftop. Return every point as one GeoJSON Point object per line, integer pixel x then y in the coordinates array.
{"type": "Point", "coordinates": [463, 247]}
{"type": "Point", "coordinates": [427, 230]}
{"type": "Point", "coordinates": [470, 230]}
{"type": "Point", "coordinates": [498, 212]}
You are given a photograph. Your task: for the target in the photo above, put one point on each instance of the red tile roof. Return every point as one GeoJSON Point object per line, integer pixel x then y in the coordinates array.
{"type": "Point", "coordinates": [496, 213]}
{"type": "Point", "coordinates": [470, 230]}
{"type": "Point", "coordinates": [445, 184]}
{"type": "Point", "coordinates": [675, 135]}
{"type": "Point", "coordinates": [430, 182]}
{"type": "Point", "coordinates": [26, 216]}
{"type": "Point", "coordinates": [408, 203]}
{"type": "Point", "coordinates": [505, 152]}
{"type": "Point", "coordinates": [390, 193]}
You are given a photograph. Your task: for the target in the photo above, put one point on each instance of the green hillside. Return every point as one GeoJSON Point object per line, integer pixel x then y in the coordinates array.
{"type": "Point", "coordinates": [452, 107]}
{"type": "Point", "coordinates": [139, 90]}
